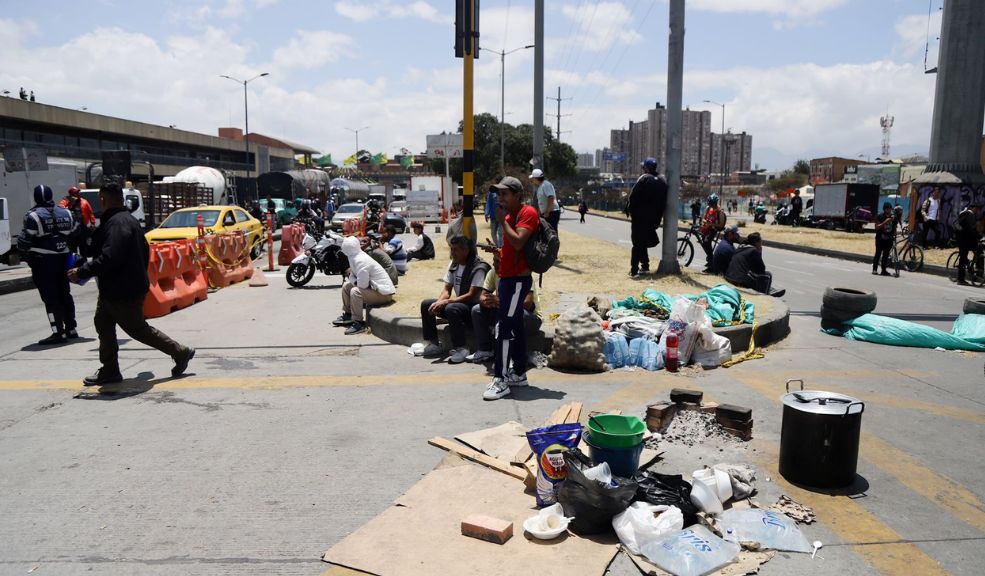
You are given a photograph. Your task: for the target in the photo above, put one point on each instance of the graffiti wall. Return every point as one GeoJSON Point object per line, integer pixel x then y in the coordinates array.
{"type": "Point", "coordinates": [954, 198]}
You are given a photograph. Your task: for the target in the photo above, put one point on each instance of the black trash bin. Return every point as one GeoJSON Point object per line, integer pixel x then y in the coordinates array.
{"type": "Point", "coordinates": [819, 437]}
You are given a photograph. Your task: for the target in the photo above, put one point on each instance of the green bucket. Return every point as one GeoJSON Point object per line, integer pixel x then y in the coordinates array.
{"type": "Point", "coordinates": [620, 431]}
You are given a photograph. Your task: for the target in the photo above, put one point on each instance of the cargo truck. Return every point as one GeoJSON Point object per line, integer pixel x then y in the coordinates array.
{"type": "Point", "coordinates": [848, 206]}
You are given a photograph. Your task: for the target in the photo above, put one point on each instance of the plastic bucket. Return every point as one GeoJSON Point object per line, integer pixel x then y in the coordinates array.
{"type": "Point", "coordinates": [620, 431]}
{"type": "Point", "coordinates": [622, 461]}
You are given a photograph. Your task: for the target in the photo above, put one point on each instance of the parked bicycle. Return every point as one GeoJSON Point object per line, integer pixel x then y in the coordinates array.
{"type": "Point", "coordinates": [685, 246]}
{"type": "Point", "coordinates": [906, 253]}
{"type": "Point", "coordinates": [975, 274]}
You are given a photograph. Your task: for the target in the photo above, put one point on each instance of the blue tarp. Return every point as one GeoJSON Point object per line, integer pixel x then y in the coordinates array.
{"type": "Point", "coordinates": [968, 332]}
{"type": "Point", "coordinates": [725, 304]}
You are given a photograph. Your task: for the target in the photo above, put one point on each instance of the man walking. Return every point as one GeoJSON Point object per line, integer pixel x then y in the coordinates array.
{"type": "Point", "coordinates": [44, 241]}
{"type": "Point", "coordinates": [582, 210]}
{"type": "Point", "coordinates": [547, 204]}
{"type": "Point", "coordinates": [645, 210]}
{"type": "Point", "coordinates": [120, 256]}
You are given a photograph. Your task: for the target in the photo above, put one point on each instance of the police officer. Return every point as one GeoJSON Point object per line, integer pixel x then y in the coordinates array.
{"type": "Point", "coordinates": [44, 240]}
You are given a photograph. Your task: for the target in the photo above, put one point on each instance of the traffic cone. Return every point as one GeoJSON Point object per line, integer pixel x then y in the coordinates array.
{"type": "Point", "coordinates": [259, 279]}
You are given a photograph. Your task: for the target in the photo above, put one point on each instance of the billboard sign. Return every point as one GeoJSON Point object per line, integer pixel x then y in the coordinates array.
{"type": "Point", "coordinates": [444, 145]}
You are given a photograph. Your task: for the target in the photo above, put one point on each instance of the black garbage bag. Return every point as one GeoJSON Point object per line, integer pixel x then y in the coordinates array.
{"type": "Point", "coordinates": [666, 489]}
{"type": "Point", "coordinates": [592, 503]}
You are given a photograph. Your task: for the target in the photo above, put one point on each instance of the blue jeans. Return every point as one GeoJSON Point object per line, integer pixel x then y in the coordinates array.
{"type": "Point", "coordinates": [511, 339]}
{"type": "Point", "coordinates": [497, 232]}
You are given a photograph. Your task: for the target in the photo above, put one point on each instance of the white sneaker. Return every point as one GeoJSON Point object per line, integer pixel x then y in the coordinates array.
{"type": "Point", "coordinates": [497, 389]}
{"type": "Point", "coordinates": [516, 381]}
{"type": "Point", "coordinates": [458, 355]}
{"type": "Point", "coordinates": [432, 349]}
{"type": "Point", "coordinates": [480, 356]}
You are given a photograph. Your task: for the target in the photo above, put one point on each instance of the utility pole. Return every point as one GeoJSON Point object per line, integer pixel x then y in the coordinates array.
{"type": "Point", "coordinates": [675, 88]}
{"type": "Point", "coordinates": [538, 152]}
{"type": "Point", "coordinates": [466, 47]}
{"type": "Point", "coordinates": [558, 115]}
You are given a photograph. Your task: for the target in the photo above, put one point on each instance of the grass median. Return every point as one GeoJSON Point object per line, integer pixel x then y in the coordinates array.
{"type": "Point", "coordinates": [588, 267]}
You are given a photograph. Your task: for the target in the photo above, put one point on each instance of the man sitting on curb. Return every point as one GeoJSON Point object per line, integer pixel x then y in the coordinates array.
{"type": "Point", "coordinates": [394, 247]}
{"type": "Point", "coordinates": [423, 247]}
{"type": "Point", "coordinates": [368, 283]}
{"type": "Point", "coordinates": [748, 270]}
{"type": "Point", "coordinates": [463, 284]}
{"type": "Point", "coordinates": [725, 250]}
{"type": "Point", "coordinates": [484, 315]}
{"type": "Point", "coordinates": [382, 258]}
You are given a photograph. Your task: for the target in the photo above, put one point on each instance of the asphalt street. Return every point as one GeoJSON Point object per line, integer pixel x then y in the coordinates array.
{"type": "Point", "coordinates": [286, 436]}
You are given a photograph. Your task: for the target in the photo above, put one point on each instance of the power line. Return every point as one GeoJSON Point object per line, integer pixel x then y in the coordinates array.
{"type": "Point", "coordinates": [608, 52]}
{"type": "Point", "coordinates": [621, 56]}
{"type": "Point", "coordinates": [558, 115]}
{"type": "Point", "coordinates": [571, 46]}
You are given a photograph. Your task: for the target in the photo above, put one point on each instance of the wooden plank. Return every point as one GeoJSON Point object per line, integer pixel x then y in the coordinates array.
{"type": "Point", "coordinates": [477, 457]}
{"type": "Point", "coordinates": [559, 415]}
{"type": "Point", "coordinates": [575, 414]}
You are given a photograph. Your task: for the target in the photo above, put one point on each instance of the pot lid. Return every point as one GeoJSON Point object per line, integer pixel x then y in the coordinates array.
{"type": "Point", "coordinates": [821, 402]}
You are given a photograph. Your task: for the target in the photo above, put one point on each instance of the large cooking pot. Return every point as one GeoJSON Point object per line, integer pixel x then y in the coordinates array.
{"type": "Point", "coordinates": [819, 437]}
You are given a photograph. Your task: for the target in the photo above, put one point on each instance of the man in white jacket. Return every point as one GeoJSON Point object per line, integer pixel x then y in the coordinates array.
{"type": "Point", "coordinates": [368, 283]}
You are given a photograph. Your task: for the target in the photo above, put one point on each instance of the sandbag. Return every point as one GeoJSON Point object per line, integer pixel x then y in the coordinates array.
{"type": "Point", "coordinates": [578, 341]}
{"type": "Point", "coordinates": [970, 327]}
{"type": "Point", "coordinates": [895, 332]}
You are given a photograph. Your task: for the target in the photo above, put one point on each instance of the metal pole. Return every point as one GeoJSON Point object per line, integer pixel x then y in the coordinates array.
{"type": "Point", "coordinates": [721, 180]}
{"type": "Point", "coordinates": [468, 132]}
{"type": "Point", "coordinates": [557, 135]}
{"type": "Point", "coordinates": [538, 151]}
{"type": "Point", "coordinates": [502, 112]}
{"type": "Point", "coordinates": [675, 87]}
{"type": "Point", "coordinates": [246, 137]}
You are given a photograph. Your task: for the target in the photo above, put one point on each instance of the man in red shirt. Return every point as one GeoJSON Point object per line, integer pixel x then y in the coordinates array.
{"type": "Point", "coordinates": [519, 222]}
{"type": "Point", "coordinates": [712, 224]}
{"type": "Point", "coordinates": [79, 206]}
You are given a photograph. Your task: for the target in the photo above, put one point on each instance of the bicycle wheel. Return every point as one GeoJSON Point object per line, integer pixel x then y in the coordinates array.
{"type": "Point", "coordinates": [912, 258]}
{"type": "Point", "coordinates": [952, 266]}
{"type": "Point", "coordinates": [976, 276]}
{"type": "Point", "coordinates": [685, 252]}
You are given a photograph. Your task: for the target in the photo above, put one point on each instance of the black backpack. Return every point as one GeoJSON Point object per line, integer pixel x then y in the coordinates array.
{"type": "Point", "coordinates": [541, 248]}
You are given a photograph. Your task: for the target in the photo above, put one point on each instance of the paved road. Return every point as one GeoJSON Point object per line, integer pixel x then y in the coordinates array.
{"type": "Point", "coordinates": [287, 436]}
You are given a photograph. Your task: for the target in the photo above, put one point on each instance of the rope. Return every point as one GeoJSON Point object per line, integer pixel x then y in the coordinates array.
{"type": "Point", "coordinates": [749, 354]}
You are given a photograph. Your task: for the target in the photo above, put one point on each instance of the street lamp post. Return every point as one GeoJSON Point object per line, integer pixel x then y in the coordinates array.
{"type": "Point", "coordinates": [356, 131]}
{"type": "Point", "coordinates": [246, 116]}
{"type": "Point", "coordinates": [502, 100]}
{"type": "Point", "coordinates": [721, 179]}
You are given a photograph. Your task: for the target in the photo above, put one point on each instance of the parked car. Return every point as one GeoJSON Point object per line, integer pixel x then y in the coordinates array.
{"type": "Point", "coordinates": [183, 225]}
{"type": "Point", "coordinates": [285, 211]}
{"type": "Point", "coordinates": [352, 210]}
{"type": "Point", "coordinates": [398, 207]}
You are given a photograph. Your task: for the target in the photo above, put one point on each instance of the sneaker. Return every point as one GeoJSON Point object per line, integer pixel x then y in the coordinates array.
{"type": "Point", "coordinates": [181, 364]}
{"type": "Point", "coordinates": [480, 356]}
{"type": "Point", "coordinates": [71, 334]}
{"type": "Point", "coordinates": [516, 380]}
{"type": "Point", "coordinates": [343, 320]}
{"type": "Point", "coordinates": [55, 338]}
{"type": "Point", "coordinates": [356, 328]}
{"type": "Point", "coordinates": [875, 272]}
{"type": "Point", "coordinates": [433, 349]}
{"type": "Point", "coordinates": [885, 273]}
{"type": "Point", "coordinates": [101, 377]}
{"type": "Point", "coordinates": [458, 355]}
{"type": "Point", "coordinates": [634, 274]}
{"type": "Point", "coordinates": [497, 389]}
{"type": "Point", "coordinates": [778, 293]}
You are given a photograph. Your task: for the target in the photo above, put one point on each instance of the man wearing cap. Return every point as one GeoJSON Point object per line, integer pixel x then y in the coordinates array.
{"type": "Point", "coordinates": [645, 208]}
{"type": "Point", "coordinates": [725, 250]}
{"type": "Point", "coordinates": [82, 216]}
{"type": "Point", "coordinates": [44, 242]}
{"type": "Point", "coordinates": [547, 204]}
{"type": "Point", "coordinates": [748, 270]}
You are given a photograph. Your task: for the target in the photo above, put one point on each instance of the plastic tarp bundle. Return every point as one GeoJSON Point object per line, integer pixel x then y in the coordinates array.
{"type": "Point", "coordinates": [725, 305]}
{"type": "Point", "coordinates": [895, 332]}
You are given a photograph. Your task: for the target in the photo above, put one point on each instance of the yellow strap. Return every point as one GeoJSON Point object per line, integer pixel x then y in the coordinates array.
{"type": "Point", "coordinates": [749, 354]}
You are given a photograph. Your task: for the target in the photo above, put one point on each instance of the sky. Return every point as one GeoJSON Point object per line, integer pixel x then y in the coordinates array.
{"type": "Point", "coordinates": [807, 78]}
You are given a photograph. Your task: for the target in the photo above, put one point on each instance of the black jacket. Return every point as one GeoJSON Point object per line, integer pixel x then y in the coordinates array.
{"type": "Point", "coordinates": [967, 231]}
{"type": "Point", "coordinates": [646, 208]}
{"type": "Point", "coordinates": [745, 260]}
{"type": "Point", "coordinates": [121, 255]}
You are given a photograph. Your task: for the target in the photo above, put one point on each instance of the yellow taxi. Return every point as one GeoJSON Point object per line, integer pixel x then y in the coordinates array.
{"type": "Point", "coordinates": [183, 225]}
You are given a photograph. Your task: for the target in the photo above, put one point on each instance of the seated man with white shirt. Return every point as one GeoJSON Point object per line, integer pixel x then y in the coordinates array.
{"type": "Point", "coordinates": [463, 284]}
{"type": "Point", "coordinates": [368, 283]}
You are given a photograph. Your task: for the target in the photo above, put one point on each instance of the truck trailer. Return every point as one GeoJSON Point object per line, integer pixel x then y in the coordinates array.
{"type": "Point", "coordinates": [848, 206]}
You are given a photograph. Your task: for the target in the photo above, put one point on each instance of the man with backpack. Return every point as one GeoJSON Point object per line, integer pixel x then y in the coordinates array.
{"type": "Point", "coordinates": [711, 225]}
{"type": "Point", "coordinates": [82, 216]}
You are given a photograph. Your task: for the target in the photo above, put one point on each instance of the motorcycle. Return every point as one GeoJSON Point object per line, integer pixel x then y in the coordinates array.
{"type": "Point", "coordinates": [321, 252]}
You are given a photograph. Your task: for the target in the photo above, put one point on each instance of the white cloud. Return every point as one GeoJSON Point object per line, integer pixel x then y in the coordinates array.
{"type": "Point", "coordinates": [912, 33]}
{"type": "Point", "coordinates": [786, 13]}
{"type": "Point", "coordinates": [312, 49]}
{"type": "Point", "coordinates": [362, 11]}
{"type": "Point", "coordinates": [600, 25]}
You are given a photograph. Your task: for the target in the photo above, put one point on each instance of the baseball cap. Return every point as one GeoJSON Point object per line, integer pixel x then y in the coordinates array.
{"type": "Point", "coordinates": [733, 229]}
{"type": "Point", "coordinates": [537, 173]}
{"type": "Point", "coordinates": [649, 163]}
{"type": "Point", "coordinates": [511, 183]}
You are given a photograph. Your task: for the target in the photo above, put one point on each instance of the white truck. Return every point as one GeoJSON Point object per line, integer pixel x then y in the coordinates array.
{"type": "Point", "coordinates": [221, 183]}
{"type": "Point", "coordinates": [17, 190]}
{"type": "Point", "coordinates": [428, 196]}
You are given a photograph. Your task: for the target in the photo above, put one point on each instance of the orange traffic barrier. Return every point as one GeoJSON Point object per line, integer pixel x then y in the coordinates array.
{"type": "Point", "coordinates": [351, 226]}
{"type": "Point", "coordinates": [190, 282]}
{"type": "Point", "coordinates": [176, 280]}
{"type": "Point", "coordinates": [291, 240]}
{"type": "Point", "coordinates": [444, 215]}
{"type": "Point", "coordinates": [229, 258]}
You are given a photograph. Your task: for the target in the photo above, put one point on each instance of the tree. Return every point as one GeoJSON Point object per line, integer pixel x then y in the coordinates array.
{"type": "Point", "coordinates": [802, 167]}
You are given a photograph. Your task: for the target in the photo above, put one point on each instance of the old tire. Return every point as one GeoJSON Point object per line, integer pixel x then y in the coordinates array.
{"type": "Point", "coordinates": [974, 306]}
{"type": "Point", "coordinates": [849, 300]}
{"type": "Point", "coordinates": [831, 325]}
{"type": "Point", "coordinates": [837, 315]}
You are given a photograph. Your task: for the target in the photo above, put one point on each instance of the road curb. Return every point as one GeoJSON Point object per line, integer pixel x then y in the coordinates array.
{"type": "Point", "coordinates": [932, 269]}
{"type": "Point", "coordinates": [406, 330]}
{"type": "Point", "coordinates": [16, 285]}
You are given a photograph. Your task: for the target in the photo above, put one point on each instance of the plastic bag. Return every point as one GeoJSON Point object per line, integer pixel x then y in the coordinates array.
{"type": "Point", "coordinates": [652, 357]}
{"type": "Point", "coordinates": [970, 327]}
{"type": "Point", "coordinates": [616, 349]}
{"type": "Point", "coordinates": [896, 332]}
{"type": "Point", "coordinates": [549, 444]}
{"type": "Point", "coordinates": [633, 358]}
{"type": "Point", "coordinates": [691, 552]}
{"type": "Point", "coordinates": [770, 528]}
{"type": "Point", "coordinates": [638, 525]}
{"type": "Point", "coordinates": [591, 504]}
{"type": "Point", "coordinates": [601, 473]}
{"type": "Point", "coordinates": [668, 490]}
{"type": "Point", "coordinates": [712, 350]}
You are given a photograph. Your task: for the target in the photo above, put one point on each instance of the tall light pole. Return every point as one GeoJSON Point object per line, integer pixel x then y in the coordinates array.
{"type": "Point", "coordinates": [721, 179]}
{"type": "Point", "coordinates": [502, 99]}
{"type": "Point", "coordinates": [356, 131]}
{"type": "Point", "coordinates": [246, 115]}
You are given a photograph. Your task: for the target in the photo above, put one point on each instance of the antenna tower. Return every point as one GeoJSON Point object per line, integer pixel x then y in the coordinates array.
{"type": "Point", "coordinates": [887, 127]}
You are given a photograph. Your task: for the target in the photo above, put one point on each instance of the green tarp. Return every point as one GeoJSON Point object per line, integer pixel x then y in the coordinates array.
{"type": "Point", "coordinates": [725, 304]}
{"type": "Point", "coordinates": [968, 332]}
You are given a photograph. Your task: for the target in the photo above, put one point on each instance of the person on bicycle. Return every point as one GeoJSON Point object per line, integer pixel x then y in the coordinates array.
{"type": "Point", "coordinates": [968, 238]}
{"type": "Point", "coordinates": [711, 225]}
{"type": "Point", "coordinates": [885, 235]}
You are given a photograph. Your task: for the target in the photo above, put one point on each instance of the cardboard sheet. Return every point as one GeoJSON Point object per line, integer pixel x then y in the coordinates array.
{"type": "Point", "coordinates": [501, 442]}
{"type": "Point", "coordinates": [747, 563]}
{"type": "Point", "coordinates": [421, 534]}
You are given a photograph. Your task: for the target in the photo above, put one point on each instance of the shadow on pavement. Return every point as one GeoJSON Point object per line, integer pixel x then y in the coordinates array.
{"type": "Point", "coordinates": [528, 393]}
{"type": "Point", "coordinates": [38, 348]}
{"type": "Point", "coordinates": [857, 489]}
{"type": "Point", "coordinates": [130, 387]}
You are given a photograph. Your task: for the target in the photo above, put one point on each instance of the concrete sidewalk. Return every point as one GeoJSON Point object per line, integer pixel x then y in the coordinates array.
{"type": "Point", "coordinates": [15, 279]}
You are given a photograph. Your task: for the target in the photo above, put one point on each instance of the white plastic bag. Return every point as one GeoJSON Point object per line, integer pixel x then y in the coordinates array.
{"type": "Point", "coordinates": [637, 525]}
{"type": "Point", "coordinates": [712, 350]}
{"type": "Point", "coordinates": [770, 528]}
{"type": "Point", "coordinates": [691, 552]}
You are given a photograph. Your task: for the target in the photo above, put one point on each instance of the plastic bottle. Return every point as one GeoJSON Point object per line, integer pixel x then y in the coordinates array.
{"type": "Point", "coordinates": [670, 362]}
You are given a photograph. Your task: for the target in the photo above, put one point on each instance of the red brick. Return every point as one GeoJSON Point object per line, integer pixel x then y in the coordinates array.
{"type": "Point", "coordinates": [487, 528]}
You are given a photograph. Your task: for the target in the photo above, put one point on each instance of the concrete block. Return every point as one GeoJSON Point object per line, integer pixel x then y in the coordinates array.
{"type": "Point", "coordinates": [487, 528]}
